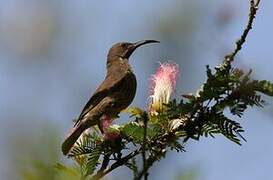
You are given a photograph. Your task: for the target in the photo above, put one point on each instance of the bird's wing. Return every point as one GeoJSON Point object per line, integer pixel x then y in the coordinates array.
{"type": "Point", "coordinates": [110, 83]}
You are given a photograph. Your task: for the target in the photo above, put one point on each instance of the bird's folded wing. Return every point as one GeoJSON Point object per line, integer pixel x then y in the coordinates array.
{"type": "Point", "coordinates": [107, 86]}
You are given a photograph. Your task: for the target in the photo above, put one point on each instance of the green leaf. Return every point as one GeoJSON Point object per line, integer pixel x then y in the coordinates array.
{"type": "Point", "coordinates": [231, 129]}
{"type": "Point", "coordinates": [85, 145]}
{"type": "Point", "coordinates": [67, 170]}
{"type": "Point", "coordinates": [265, 87]}
{"type": "Point", "coordinates": [174, 124]}
{"type": "Point", "coordinates": [92, 160]}
{"type": "Point", "coordinates": [134, 111]}
{"type": "Point", "coordinates": [133, 131]}
{"type": "Point", "coordinates": [210, 130]}
{"type": "Point", "coordinates": [177, 146]}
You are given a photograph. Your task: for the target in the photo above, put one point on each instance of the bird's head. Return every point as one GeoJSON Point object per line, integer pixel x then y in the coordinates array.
{"type": "Point", "coordinates": [125, 49]}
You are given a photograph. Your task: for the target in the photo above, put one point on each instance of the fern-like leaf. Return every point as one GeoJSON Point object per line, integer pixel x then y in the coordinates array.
{"type": "Point", "coordinates": [231, 129]}
{"type": "Point", "coordinates": [92, 160]}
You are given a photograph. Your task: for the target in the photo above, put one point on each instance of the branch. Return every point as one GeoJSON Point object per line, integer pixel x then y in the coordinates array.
{"type": "Point", "coordinates": [252, 14]}
{"type": "Point", "coordinates": [105, 163]}
{"type": "Point", "coordinates": [115, 165]}
{"type": "Point", "coordinates": [149, 162]}
{"type": "Point", "coordinates": [145, 118]}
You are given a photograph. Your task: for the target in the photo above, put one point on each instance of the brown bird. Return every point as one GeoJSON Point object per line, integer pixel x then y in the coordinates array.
{"type": "Point", "coordinates": [115, 93]}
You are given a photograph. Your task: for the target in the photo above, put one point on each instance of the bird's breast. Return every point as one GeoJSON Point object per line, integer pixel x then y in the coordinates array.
{"type": "Point", "coordinates": [126, 91]}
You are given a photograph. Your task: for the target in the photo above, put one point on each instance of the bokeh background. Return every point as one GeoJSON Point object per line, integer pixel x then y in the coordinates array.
{"type": "Point", "coordinates": [53, 54]}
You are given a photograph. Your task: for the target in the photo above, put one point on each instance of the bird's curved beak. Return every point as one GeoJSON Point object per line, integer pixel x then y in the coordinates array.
{"type": "Point", "coordinates": [140, 43]}
{"type": "Point", "coordinates": [134, 46]}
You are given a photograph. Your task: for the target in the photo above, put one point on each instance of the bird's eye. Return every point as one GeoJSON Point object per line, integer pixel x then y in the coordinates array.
{"type": "Point", "coordinates": [125, 45]}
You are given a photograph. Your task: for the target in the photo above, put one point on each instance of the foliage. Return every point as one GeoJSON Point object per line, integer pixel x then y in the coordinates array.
{"type": "Point", "coordinates": [227, 92]}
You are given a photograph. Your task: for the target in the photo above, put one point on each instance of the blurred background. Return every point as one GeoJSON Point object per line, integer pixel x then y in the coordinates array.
{"type": "Point", "coordinates": [53, 55]}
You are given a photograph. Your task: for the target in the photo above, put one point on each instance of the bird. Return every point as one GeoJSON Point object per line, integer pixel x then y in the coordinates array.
{"type": "Point", "coordinates": [114, 94]}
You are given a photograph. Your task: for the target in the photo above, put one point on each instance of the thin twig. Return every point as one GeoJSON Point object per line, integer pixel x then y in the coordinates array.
{"type": "Point", "coordinates": [252, 14]}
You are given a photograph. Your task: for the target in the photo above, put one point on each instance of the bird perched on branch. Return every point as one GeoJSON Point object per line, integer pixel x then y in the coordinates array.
{"type": "Point", "coordinates": [114, 94]}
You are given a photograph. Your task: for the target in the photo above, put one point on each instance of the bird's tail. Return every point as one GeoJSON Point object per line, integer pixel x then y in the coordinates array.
{"type": "Point", "coordinates": [74, 136]}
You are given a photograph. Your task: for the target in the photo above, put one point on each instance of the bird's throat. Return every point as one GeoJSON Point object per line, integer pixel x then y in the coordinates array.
{"type": "Point", "coordinates": [118, 66]}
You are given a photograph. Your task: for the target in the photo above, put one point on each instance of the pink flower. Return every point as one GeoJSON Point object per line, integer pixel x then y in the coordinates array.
{"type": "Point", "coordinates": [110, 132]}
{"type": "Point", "coordinates": [106, 121]}
{"type": "Point", "coordinates": [162, 86]}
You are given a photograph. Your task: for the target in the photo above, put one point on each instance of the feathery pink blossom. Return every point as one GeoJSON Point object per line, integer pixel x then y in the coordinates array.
{"type": "Point", "coordinates": [110, 131]}
{"type": "Point", "coordinates": [162, 86]}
